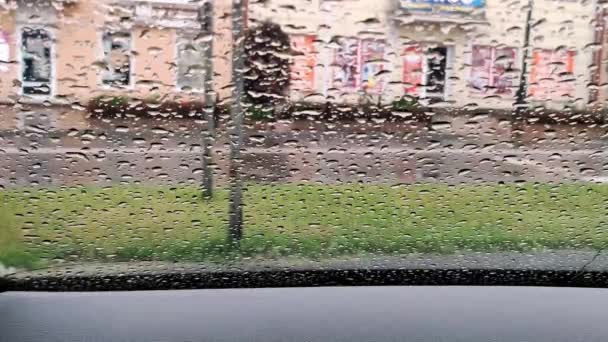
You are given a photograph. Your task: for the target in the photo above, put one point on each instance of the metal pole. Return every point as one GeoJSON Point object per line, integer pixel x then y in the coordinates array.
{"type": "Point", "coordinates": [206, 20]}
{"type": "Point", "coordinates": [235, 213]}
{"type": "Point", "coordinates": [521, 97]}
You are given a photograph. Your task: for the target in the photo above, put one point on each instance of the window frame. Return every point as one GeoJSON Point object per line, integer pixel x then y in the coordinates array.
{"type": "Point", "coordinates": [53, 58]}
{"type": "Point", "coordinates": [360, 63]}
{"type": "Point", "coordinates": [425, 94]}
{"type": "Point", "coordinates": [421, 89]}
{"type": "Point", "coordinates": [100, 39]}
{"type": "Point", "coordinates": [494, 52]}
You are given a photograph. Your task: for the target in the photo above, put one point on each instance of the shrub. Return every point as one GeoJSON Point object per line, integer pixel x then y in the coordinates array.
{"type": "Point", "coordinates": [178, 109]}
{"type": "Point", "coordinates": [108, 105]}
{"type": "Point", "coordinates": [266, 64]}
{"type": "Point", "coordinates": [257, 112]}
{"type": "Point", "coordinates": [405, 104]}
{"type": "Point", "coordinates": [333, 112]}
{"type": "Point", "coordinates": [120, 106]}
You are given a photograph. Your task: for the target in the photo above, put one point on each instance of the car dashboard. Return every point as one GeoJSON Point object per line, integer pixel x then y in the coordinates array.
{"type": "Point", "coordinates": [365, 313]}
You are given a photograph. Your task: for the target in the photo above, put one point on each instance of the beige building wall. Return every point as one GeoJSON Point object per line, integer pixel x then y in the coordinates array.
{"type": "Point", "coordinates": [8, 72]}
{"type": "Point", "coordinates": [77, 28]}
{"type": "Point", "coordinates": [222, 49]}
{"type": "Point", "coordinates": [77, 50]}
{"type": "Point", "coordinates": [558, 24]}
{"type": "Point", "coordinates": [154, 71]}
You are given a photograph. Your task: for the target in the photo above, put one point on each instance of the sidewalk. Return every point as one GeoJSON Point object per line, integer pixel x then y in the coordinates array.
{"type": "Point", "coordinates": [555, 260]}
{"type": "Point", "coordinates": [45, 118]}
{"type": "Point", "coordinates": [73, 129]}
{"type": "Point", "coordinates": [64, 122]}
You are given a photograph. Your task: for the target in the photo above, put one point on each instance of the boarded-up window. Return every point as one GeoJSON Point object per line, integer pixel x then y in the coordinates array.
{"type": "Point", "coordinates": [358, 65]}
{"type": "Point", "coordinates": [302, 72]}
{"type": "Point", "coordinates": [551, 75]}
{"type": "Point", "coordinates": [347, 65]}
{"type": "Point", "coordinates": [492, 71]}
{"type": "Point", "coordinates": [373, 64]}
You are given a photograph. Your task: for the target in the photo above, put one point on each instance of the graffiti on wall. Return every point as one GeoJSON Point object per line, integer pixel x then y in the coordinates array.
{"type": "Point", "coordinates": [551, 75]}
{"type": "Point", "coordinates": [302, 74]}
{"type": "Point", "coordinates": [372, 55]}
{"type": "Point", "coordinates": [358, 65]}
{"type": "Point", "coordinates": [492, 71]}
{"type": "Point", "coordinates": [412, 70]}
{"type": "Point", "coordinates": [346, 63]}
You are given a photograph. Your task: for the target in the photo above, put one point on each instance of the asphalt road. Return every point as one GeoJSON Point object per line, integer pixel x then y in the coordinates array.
{"type": "Point", "coordinates": [470, 152]}
{"type": "Point", "coordinates": [67, 166]}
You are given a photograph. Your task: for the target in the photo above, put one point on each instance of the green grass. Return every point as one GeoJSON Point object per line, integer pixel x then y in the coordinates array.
{"type": "Point", "coordinates": [39, 225]}
{"type": "Point", "coordinates": [12, 251]}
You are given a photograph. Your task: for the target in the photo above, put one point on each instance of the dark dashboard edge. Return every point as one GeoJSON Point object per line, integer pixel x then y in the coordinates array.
{"type": "Point", "coordinates": [307, 278]}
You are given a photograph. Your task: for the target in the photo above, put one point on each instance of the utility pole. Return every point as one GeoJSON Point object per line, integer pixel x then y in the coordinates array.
{"type": "Point", "coordinates": [521, 103]}
{"type": "Point", "coordinates": [235, 212]}
{"type": "Point", "coordinates": [205, 17]}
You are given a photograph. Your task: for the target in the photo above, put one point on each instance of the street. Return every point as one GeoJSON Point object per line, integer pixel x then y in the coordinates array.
{"type": "Point", "coordinates": [166, 153]}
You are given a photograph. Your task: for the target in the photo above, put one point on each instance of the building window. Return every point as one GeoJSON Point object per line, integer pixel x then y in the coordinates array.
{"type": "Point", "coordinates": [436, 63]}
{"type": "Point", "coordinates": [346, 63]}
{"type": "Point", "coordinates": [358, 64]}
{"type": "Point", "coordinates": [551, 75]}
{"type": "Point", "coordinates": [117, 56]}
{"type": "Point", "coordinates": [190, 64]}
{"type": "Point", "coordinates": [492, 71]}
{"type": "Point", "coordinates": [372, 65]}
{"type": "Point", "coordinates": [302, 71]}
{"type": "Point", "coordinates": [412, 70]}
{"type": "Point", "coordinates": [36, 61]}
{"type": "Point", "coordinates": [425, 71]}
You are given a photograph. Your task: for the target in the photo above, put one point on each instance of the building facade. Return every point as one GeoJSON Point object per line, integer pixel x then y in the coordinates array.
{"type": "Point", "coordinates": [71, 51]}
{"type": "Point", "coordinates": [453, 53]}
{"type": "Point", "coordinates": [449, 53]}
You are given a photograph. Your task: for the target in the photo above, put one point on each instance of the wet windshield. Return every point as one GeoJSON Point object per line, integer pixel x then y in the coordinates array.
{"type": "Point", "coordinates": [138, 134]}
